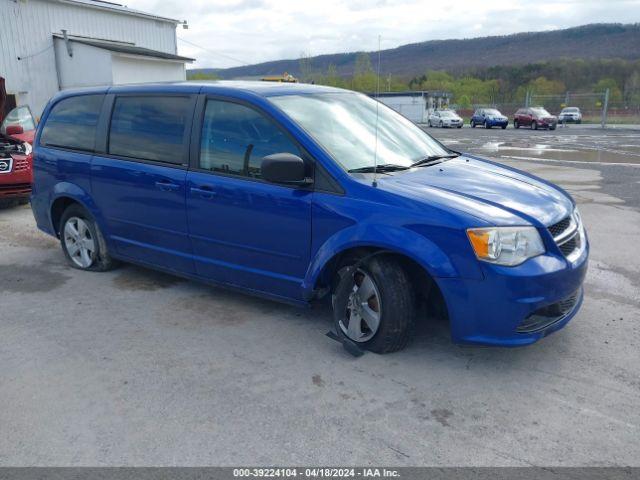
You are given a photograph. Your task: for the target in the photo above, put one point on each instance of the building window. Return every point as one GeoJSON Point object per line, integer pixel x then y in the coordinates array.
{"type": "Point", "coordinates": [150, 128]}
{"type": "Point", "coordinates": [72, 123]}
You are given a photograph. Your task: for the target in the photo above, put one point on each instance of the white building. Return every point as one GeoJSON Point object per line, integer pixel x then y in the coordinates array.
{"type": "Point", "coordinates": [50, 45]}
{"type": "Point", "coordinates": [416, 106]}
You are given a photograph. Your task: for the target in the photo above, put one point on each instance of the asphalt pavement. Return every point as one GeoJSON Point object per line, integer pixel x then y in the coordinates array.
{"type": "Point", "coordinates": [133, 367]}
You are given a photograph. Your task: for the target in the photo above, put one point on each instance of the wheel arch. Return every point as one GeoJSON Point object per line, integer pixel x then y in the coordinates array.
{"type": "Point", "coordinates": [64, 195]}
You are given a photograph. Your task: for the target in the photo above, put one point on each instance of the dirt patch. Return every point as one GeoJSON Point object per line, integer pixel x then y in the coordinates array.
{"type": "Point", "coordinates": [29, 279]}
{"type": "Point", "coordinates": [442, 415]}
{"type": "Point", "coordinates": [142, 280]}
{"type": "Point", "coordinates": [31, 238]}
{"type": "Point", "coordinates": [317, 380]}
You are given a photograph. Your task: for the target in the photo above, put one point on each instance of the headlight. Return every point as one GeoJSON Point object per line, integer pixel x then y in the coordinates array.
{"type": "Point", "coordinates": [508, 246]}
{"type": "Point", "coordinates": [27, 148]}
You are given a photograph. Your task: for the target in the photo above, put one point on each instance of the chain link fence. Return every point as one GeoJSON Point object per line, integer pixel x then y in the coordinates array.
{"type": "Point", "coordinates": [596, 108]}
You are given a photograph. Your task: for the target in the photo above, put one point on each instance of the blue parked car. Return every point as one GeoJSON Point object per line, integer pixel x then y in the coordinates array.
{"type": "Point", "coordinates": [489, 117]}
{"type": "Point", "coordinates": [303, 193]}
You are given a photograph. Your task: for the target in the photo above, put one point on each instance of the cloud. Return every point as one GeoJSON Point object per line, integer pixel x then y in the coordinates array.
{"type": "Point", "coordinates": [234, 32]}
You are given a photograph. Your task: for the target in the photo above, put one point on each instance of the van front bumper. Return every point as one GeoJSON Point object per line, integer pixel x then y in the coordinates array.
{"type": "Point", "coordinates": [515, 306]}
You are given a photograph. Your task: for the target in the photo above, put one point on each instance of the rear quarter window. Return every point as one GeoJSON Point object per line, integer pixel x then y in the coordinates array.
{"type": "Point", "coordinates": [150, 128]}
{"type": "Point", "coordinates": [72, 123]}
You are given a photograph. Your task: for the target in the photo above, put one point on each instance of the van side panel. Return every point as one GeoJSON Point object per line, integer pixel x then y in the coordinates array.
{"type": "Point", "coordinates": [143, 207]}
{"type": "Point", "coordinates": [58, 173]}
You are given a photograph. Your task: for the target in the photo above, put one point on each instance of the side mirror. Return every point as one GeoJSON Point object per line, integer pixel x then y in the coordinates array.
{"type": "Point", "coordinates": [284, 168]}
{"type": "Point", "coordinates": [14, 130]}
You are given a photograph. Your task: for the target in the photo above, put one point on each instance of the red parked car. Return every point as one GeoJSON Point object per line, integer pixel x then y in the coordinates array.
{"type": "Point", "coordinates": [535, 117]}
{"type": "Point", "coordinates": [16, 137]}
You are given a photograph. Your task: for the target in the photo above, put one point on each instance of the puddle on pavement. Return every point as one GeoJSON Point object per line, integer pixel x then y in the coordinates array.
{"type": "Point", "coordinates": [550, 152]}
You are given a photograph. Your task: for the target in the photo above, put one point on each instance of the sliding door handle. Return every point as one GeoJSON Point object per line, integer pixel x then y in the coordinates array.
{"type": "Point", "coordinates": [166, 186]}
{"type": "Point", "coordinates": [203, 191]}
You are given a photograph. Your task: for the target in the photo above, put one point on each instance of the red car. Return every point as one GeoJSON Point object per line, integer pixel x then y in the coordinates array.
{"type": "Point", "coordinates": [16, 137]}
{"type": "Point", "coordinates": [535, 117]}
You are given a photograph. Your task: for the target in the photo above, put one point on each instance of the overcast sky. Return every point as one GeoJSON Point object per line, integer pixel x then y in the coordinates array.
{"type": "Point", "coordinates": [237, 32]}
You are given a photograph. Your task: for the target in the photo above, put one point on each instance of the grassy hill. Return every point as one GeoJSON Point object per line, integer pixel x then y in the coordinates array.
{"type": "Point", "coordinates": [588, 42]}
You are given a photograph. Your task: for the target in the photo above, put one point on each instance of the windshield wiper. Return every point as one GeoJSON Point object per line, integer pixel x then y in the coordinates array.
{"type": "Point", "coordinates": [385, 167]}
{"type": "Point", "coordinates": [433, 160]}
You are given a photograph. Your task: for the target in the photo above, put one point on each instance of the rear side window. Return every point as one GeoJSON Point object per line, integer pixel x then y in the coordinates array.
{"type": "Point", "coordinates": [150, 128]}
{"type": "Point", "coordinates": [236, 137]}
{"type": "Point", "coordinates": [72, 123]}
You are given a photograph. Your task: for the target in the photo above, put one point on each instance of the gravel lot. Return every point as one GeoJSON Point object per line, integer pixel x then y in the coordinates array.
{"type": "Point", "coordinates": [133, 367]}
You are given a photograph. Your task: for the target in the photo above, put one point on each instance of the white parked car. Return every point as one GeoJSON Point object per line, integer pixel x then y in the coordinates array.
{"type": "Point", "coordinates": [570, 115]}
{"type": "Point", "coordinates": [445, 118]}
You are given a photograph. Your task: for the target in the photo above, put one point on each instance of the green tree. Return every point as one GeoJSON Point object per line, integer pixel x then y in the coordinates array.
{"type": "Point", "coordinates": [615, 94]}
{"type": "Point", "coordinates": [202, 76]}
{"type": "Point", "coordinates": [364, 79]}
{"type": "Point", "coordinates": [306, 67]}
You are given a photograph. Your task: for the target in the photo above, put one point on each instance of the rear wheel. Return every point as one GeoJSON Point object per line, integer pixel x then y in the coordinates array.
{"type": "Point", "coordinates": [82, 243]}
{"type": "Point", "coordinates": [440, 124]}
{"type": "Point", "coordinates": [504, 126]}
{"type": "Point", "coordinates": [374, 305]}
{"type": "Point", "coordinates": [473, 124]}
{"type": "Point", "coordinates": [429, 123]}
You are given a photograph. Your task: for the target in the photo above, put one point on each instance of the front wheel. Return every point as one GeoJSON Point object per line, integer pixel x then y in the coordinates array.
{"type": "Point", "coordinates": [429, 123]}
{"type": "Point", "coordinates": [440, 124]}
{"type": "Point", "coordinates": [504, 126]}
{"type": "Point", "coordinates": [473, 124]}
{"type": "Point", "coordinates": [534, 125]}
{"type": "Point", "coordinates": [487, 125]}
{"type": "Point", "coordinates": [374, 305]}
{"type": "Point", "coordinates": [82, 243]}
{"type": "Point", "coordinates": [515, 124]}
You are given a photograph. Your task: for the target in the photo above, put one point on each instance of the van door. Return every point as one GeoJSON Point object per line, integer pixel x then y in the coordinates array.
{"type": "Point", "coordinates": [139, 181]}
{"type": "Point", "coordinates": [245, 231]}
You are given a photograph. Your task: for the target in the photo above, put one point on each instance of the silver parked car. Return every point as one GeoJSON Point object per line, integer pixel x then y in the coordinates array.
{"type": "Point", "coordinates": [570, 115]}
{"type": "Point", "coordinates": [445, 118]}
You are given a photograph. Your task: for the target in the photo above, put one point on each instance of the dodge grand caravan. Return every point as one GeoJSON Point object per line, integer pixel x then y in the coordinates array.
{"type": "Point", "coordinates": [300, 192]}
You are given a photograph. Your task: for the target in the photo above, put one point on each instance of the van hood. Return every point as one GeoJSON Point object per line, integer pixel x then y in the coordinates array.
{"type": "Point", "coordinates": [496, 194]}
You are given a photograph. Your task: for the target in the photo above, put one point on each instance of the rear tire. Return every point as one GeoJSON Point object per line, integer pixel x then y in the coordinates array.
{"type": "Point", "coordinates": [82, 242]}
{"type": "Point", "coordinates": [504, 126]}
{"type": "Point", "coordinates": [473, 124]}
{"type": "Point", "coordinates": [389, 296]}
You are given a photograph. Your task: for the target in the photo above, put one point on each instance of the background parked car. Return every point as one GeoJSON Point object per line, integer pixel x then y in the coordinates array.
{"type": "Point", "coordinates": [489, 117]}
{"type": "Point", "coordinates": [19, 124]}
{"type": "Point", "coordinates": [535, 117]}
{"type": "Point", "coordinates": [15, 171]}
{"type": "Point", "coordinates": [16, 137]}
{"type": "Point", "coordinates": [445, 118]}
{"type": "Point", "coordinates": [570, 115]}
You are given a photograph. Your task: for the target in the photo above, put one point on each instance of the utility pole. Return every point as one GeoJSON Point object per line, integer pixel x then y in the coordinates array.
{"type": "Point", "coordinates": [605, 107]}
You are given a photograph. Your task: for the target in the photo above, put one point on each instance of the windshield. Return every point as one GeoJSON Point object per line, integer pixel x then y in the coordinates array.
{"type": "Point", "coordinates": [345, 125]}
{"type": "Point", "coordinates": [540, 111]}
{"type": "Point", "coordinates": [570, 110]}
{"type": "Point", "coordinates": [492, 112]}
{"type": "Point", "coordinates": [447, 114]}
{"type": "Point", "coordinates": [21, 117]}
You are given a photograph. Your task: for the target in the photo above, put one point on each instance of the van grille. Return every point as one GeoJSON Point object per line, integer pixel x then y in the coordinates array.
{"type": "Point", "coordinates": [547, 316]}
{"type": "Point", "coordinates": [558, 228]}
{"type": "Point", "coordinates": [567, 235]}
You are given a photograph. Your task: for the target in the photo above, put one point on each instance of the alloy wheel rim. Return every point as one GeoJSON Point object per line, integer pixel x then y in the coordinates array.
{"type": "Point", "coordinates": [361, 320]}
{"type": "Point", "coordinates": [79, 243]}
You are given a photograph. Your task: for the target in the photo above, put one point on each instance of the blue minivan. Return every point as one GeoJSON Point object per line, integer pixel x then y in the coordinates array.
{"type": "Point", "coordinates": [301, 193]}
